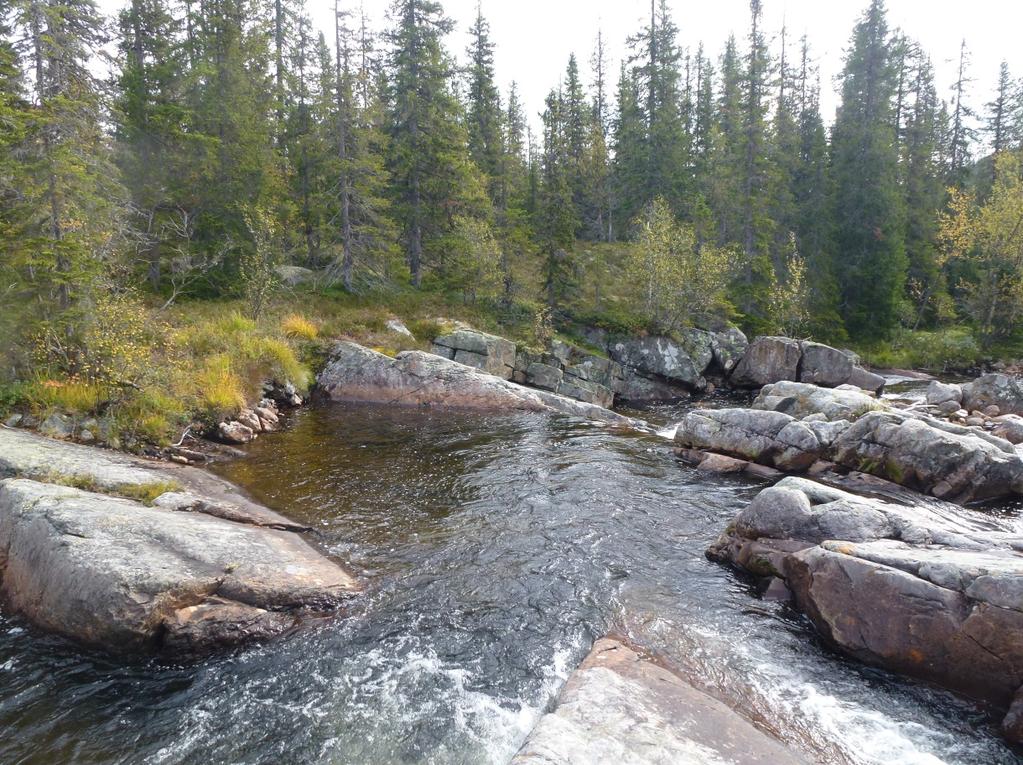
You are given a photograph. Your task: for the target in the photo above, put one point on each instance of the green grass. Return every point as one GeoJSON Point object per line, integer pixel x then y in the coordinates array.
{"type": "Point", "coordinates": [934, 351]}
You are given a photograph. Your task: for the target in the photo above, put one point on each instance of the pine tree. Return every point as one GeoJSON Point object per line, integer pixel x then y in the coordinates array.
{"type": "Point", "coordinates": [869, 245]}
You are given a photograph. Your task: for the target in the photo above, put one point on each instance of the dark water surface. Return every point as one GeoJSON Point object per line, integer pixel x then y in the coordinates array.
{"type": "Point", "coordinates": [494, 549]}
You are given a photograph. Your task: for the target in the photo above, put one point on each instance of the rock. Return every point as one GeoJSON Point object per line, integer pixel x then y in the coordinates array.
{"type": "Point", "coordinates": [636, 388]}
{"type": "Point", "coordinates": [295, 276]}
{"type": "Point", "coordinates": [489, 353]}
{"type": "Point", "coordinates": [398, 327]}
{"type": "Point", "coordinates": [268, 417]}
{"type": "Point", "coordinates": [948, 407]}
{"type": "Point", "coordinates": [57, 426]}
{"type": "Point", "coordinates": [621, 707]}
{"type": "Point", "coordinates": [861, 378]}
{"type": "Point", "coordinates": [1009, 427]}
{"type": "Point", "coordinates": [767, 360]}
{"type": "Point", "coordinates": [719, 463]}
{"type": "Point", "coordinates": [115, 574]}
{"type": "Point", "coordinates": [414, 378]}
{"type": "Point", "coordinates": [769, 438]}
{"type": "Point", "coordinates": [544, 376]}
{"type": "Point", "coordinates": [777, 590]}
{"type": "Point", "coordinates": [945, 460]}
{"type": "Point", "coordinates": [1012, 725]}
{"type": "Point", "coordinates": [975, 422]}
{"type": "Point", "coordinates": [728, 347]}
{"type": "Point", "coordinates": [802, 400]}
{"type": "Point", "coordinates": [590, 392]}
{"type": "Point", "coordinates": [996, 389]}
{"type": "Point", "coordinates": [824, 365]}
{"type": "Point", "coordinates": [828, 432]}
{"type": "Point", "coordinates": [14, 420]}
{"type": "Point", "coordinates": [233, 432]}
{"type": "Point", "coordinates": [939, 393]}
{"type": "Point", "coordinates": [87, 436]}
{"type": "Point", "coordinates": [250, 419]}
{"type": "Point", "coordinates": [285, 394]}
{"type": "Point", "coordinates": [664, 358]}
{"type": "Point", "coordinates": [992, 411]}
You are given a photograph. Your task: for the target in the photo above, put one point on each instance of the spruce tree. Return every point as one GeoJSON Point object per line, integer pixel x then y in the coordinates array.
{"type": "Point", "coordinates": [485, 116]}
{"type": "Point", "coordinates": [868, 208]}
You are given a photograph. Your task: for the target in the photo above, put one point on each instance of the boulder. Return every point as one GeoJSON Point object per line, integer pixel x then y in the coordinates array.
{"type": "Point", "coordinates": [931, 591]}
{"type": "Point", "coordinates": [397, 326]}
{"type": "Point", "coordinates": [544, 376]}
{"type": "Point", "coordinates": [767, 360]}
{"type": "Point", "coordinates": [664, 358]}
{"type": "Point", "coordinates": [948, 461]}
{"type": "Point", "coordinates": [622, 707]}
{"type": "Point", "coordinates": [1001, 390]}
{"type": "Point", "coordinates": [583, 390]}
{"type": "Point", "coordinates": [801, 400]}
{"type": "Point", "coordinates": [415, 378]}
{"type": "Point", "coordinates": [57, 426]}
{"type": "Point", "coordinates": [112, 573]}
{"type": "Point", "coordinates": [939, 393]}
{"type": "Point", "coordinates": [635, 388]}
{"type": "Point", "coordinates": [234, 432]}
{"type": "Point", "coordinates": [769, 438]}
{"type": "Point", "coordinates": [871, 381]}
{"type": "Point", "coordinates": [294, 276]}
{"type": "Point", "coordinates": [489, 353]}
{"type": "Point", "coordinates": [1009, 427]}
{"type": "Point", "coordinates": [728, 346]}
{"type": "Point", "coordinates": [824, 365]}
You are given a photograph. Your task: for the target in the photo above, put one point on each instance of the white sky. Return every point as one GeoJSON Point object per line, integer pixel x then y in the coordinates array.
{"type": "Point", "coordinates": [534, 37]}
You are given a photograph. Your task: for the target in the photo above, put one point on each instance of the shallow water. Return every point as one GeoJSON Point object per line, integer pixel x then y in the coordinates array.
{"type": "Point", "coordinates": [494, 549]}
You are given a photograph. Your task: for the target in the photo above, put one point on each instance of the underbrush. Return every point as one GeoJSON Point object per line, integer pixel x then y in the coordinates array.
{"type": "Point", "coordinates": [934, 351]}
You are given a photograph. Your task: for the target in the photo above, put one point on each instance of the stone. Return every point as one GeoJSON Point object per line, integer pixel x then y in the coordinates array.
{"type": "Point", "coordinates": [728, 347]}
{"type": "Point", "coordinates": [115, 574]}
{"type": "Point", "coordinates": [87, 436]}
{"type": "Point", "coordinates": [938, 458]}
{"type": "Point", "coordinates": [295, 276]}
{"type": "Point", "coordinates": [398, 327]}
{"type": "Point", "coordinates": [590, 392]}
{"type": "Point", "coordinates": [1001, 390]}
{"type": "Point", "coordinates": [57, 426]}
{"type": "Point", "coordinates": [621, 707]}
{"type": "Point", "coordinates": [992, 411]}
{"type": "Point", "coordinates": [1009, 427]}
{"type": "Point", "coordinates": [233, 432]}
{"type": "Point", "coordinates": [251, 420]}
{"type": "Point", "coordinates": [948, 408]}
{"type": "Point", "coordinates": [719, 463]}
{"type": "Point", "coordinates": [635, 388]}
{"type": "Point", "coordinates": [824, 365]}
{"type": "Point", "coordinates": [801, 400]}
{"type": "Point", "coordinates": [414, 378]}
{"type": "Point", "coordinates": [871, 381]}
{"type": "Point", "coordinates": [490, 353]}
{"type": "Point", "coordinates": [14, 420]}
{"type": "Point", "coordinates": [975, 422]}
{"type": "Point", "coordinates": [268, 417]}
{"type": "Point", "coordinates": [544, 376]}
{"type": "Point", "coordinates": [767, 360]}
{"type": "Point", "coordinates": [939, 393]}
{"type": "Point", "coordinates": [769, 438]}
{"type": "Point", "coordinates": [663, 358]}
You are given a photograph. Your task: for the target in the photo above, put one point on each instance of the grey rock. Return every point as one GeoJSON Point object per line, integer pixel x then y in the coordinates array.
{"type": "Point", "coordinates": [992, 411]}
{"type": "Point", "coordinates": [623, 708]}
{"type": "Point", "coordinates": [948, 407]}
{"type": "Point", "coordinates": [398, 327]}
{"type": "Point", "coordinates": [582, 390]}
{"type": "Point", "coordinates": [116, 574]}
{"type": "Point", "coordinates": [544, 376]}
{"type": "Point", "coordinates": [636, 388]}
{"type": "Point", "coordinates": [664, 358]}
{"type": "Point", "coordinates": [490, 353]}
{"type": "Point", "coordinates": [1009, 427]}
{"type": "Point", "coordinates": [728, 347]}
{"type": "Point", "coordinates": [1001, 390]}
{"type": "Point", "coordinates": [769, 438]}
{"type": "Point", "coordinates": [824, 365]}
{"type": "Point", "coordinates": [414, 378]}
{"type": "Point", "coordinates": [87, 436]}
{"type": "Point", "coordinates": [803, 399]}
{"type": "Point", "coordinates": [57, 426]}
{"type": "Point", "coordinates": [861, 378]}
{"type": "Point", "coordinates": [251, 420]}
{"type": "Point", "coordinates": [14, 420]}
{"type": "Point", "coordinates": [294, 276]}
{"type": "Point", "coordinates": [931, 456]}
{"type": "Point", "coordinates": [939, 393]}
{"type": "Point", "coordinates": [767, 360]}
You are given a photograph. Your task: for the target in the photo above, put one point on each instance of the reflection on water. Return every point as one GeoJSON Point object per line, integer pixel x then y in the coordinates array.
{"type": "Point", "coordinates": [494, 549]}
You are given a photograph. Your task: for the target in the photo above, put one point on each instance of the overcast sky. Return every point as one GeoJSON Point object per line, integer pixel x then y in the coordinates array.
{"type": "Point", "coordinates": [535, 37]}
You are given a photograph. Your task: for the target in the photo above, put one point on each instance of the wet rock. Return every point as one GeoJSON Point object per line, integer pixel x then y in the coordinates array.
{"type": "Point", "coordinates": [621, 707]}
{"type": "Point", "coordinates": [489, 353]}
{"type": "Point", "coordinates": [268, 416]}
{"type": "Point", "coordinates": [250, 419]}
{"type": "Point", "coordinates": [769, 438]}
{"type": "Point", "coordinates": [1001, 390]}
{"type": "Point", "coordinates": [931, 456]}
{"type": "Point", "coordinates": [768, 360]}
{"type": "Point", "coordinates": [233, 432]}
{"type": "Point", "coordinates": [939, 393]}
{"type": "Point", "coordinates": [113, 573]}
{"type": "Point", "coordinates": [285, 394]}
{"type": "Point", "coordinates": [719, 463]}
{"type": "Point", "coordinates": [801, 400]}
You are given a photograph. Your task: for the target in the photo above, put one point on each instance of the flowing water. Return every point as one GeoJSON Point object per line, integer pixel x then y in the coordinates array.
{"type": "Point", "coordinates": [494, 549]}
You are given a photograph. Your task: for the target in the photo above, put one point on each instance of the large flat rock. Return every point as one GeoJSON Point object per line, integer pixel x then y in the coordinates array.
{"type": "Point", "coordinates": [620, 707]}
{"type": "Point", "coordinates": [114, 573]}
{"type": "Point", "coordinates": [414, 378]}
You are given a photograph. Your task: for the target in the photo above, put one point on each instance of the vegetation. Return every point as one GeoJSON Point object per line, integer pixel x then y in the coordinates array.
{"type": "Point", "coordinates": [149, 220]}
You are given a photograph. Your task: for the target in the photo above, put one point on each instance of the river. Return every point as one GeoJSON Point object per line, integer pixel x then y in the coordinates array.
{"type": "Point", "coordinates": [494, 549]}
